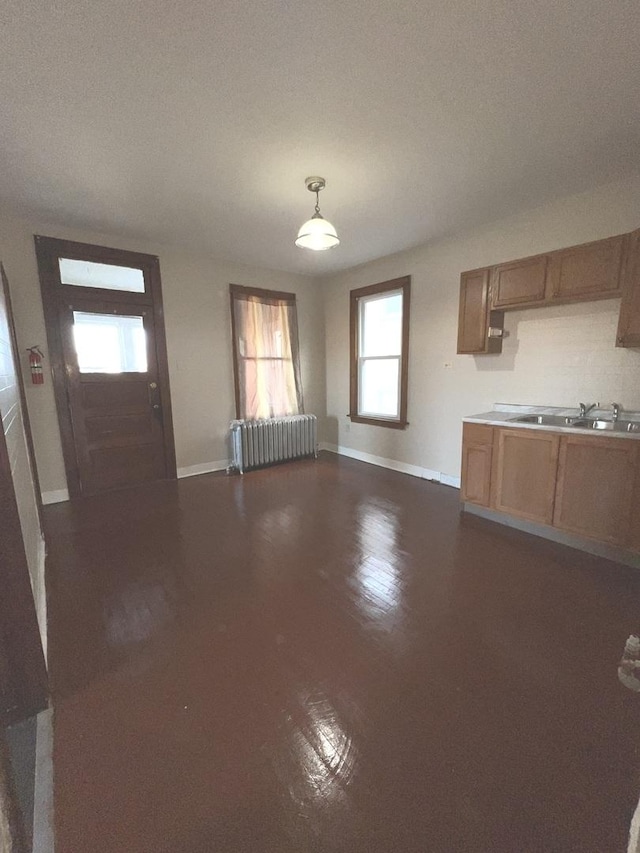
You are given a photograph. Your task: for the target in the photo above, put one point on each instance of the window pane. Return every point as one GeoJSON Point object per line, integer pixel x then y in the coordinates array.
{"type": "Point", "coordinates": [266, 356]}
{"type": "Point", "coordinates": [106, 276]}
{"type": "Point", "coordinates": [379, 387]}
{"type": "Point", "coordinates": [381, 325]}
{"type": "Point", "coordinates": [109, 343]}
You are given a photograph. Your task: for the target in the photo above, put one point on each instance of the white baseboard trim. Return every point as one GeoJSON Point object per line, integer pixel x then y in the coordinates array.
{"type": "Point", "coordinates": [203, 468]}
{"type": "Point", "coordinates": [55, 497]}
{"type": "Point", "coordinates": [392, 464]}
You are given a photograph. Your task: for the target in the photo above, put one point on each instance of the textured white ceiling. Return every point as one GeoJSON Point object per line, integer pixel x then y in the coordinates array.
{"type": "Point", "coordinates": [196, 122]}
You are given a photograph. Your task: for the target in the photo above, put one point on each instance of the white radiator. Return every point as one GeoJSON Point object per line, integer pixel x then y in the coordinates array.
{"type": "Point", "coordinates": [266, 442]}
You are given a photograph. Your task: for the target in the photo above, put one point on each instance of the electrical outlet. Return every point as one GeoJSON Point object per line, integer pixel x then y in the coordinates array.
{"type": "Point", "coordinates": [448, 365]}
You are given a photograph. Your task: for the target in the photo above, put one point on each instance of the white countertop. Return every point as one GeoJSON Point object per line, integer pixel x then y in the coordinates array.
{"type": "Point", "coordinates": [504, 413]}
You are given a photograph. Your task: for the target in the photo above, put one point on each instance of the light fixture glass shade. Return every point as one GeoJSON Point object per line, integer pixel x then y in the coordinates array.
{"type": "Point", "coordinates": [318, 234]}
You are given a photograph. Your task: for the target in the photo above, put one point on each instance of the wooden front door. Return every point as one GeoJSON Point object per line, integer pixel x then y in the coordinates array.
{"type": "Point", "coordinates": [103, 309]}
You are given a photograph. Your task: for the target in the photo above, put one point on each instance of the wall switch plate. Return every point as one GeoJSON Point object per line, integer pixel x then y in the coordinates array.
{"type": "Point", "coordinates": [448, 365]}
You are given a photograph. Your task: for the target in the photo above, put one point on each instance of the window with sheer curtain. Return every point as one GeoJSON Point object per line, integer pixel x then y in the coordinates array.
{"type": "Point", "coordinates": [266, 353]}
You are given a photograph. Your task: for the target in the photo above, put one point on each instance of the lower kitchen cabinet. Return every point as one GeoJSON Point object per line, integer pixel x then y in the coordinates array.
{"type": "Point", "coordinates": [477, 449]}
{"type": "Point", "coordinates": [634, 525]}
{"type": "Point", "coordinates": [596, 479]}
{"type": "Point", "coordinates": [587, 485]}
{"type": "Point", "coordinates": [524, 473]}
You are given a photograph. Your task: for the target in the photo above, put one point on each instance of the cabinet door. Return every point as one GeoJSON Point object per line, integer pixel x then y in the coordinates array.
{"type": "Point", "coordinates": [590, 271]}
{"type": "Point", "coordinates": [633, 541]}
{"type": "Point", "coordinates": [629, 324]}
{"type": "Point", "coordinates": [524, 473]}
{"type": "Point", "coordinates": [595, 485]}
{"type": "Point", "coordinates": [475, 316]}
{"type": "Point", "coordinates": [520, 283]}
{"type": "Point", "coordinates": [477, 449]}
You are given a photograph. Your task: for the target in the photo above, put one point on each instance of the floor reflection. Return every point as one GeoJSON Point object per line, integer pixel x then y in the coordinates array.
{"type": "Point", "coordinates": [380, 573]}
{"type": "Point", "coordinates": [327, 753]}
{"type": "Point", "coordinates": [315, 763]}
{"type": "Point", "coordinates": [136, 613]}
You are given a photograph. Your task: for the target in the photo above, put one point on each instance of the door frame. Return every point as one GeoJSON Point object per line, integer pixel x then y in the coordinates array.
{"type": "Point", "coordinates": [48, 251]}
{"type": "Point", "coordinates": [20, 645]}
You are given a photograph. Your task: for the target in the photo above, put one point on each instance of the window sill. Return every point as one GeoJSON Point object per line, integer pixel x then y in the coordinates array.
{"type": "Point", "coordinates": [357, 419]}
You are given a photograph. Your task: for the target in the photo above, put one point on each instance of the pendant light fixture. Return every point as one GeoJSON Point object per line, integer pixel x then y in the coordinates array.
{"type": "Point", "coordinates": [317, 233]}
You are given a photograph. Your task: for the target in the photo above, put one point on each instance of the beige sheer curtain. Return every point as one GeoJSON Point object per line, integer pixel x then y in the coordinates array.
{"type": "Point", "coordinates": [266, 353]}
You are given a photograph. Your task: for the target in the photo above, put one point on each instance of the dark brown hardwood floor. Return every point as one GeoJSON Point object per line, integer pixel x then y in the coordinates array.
{"type": "Point", "coordinates": [325, 657]}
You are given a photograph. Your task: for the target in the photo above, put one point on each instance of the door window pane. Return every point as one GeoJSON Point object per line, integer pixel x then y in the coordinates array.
{"type": "Point", "coordinates": [109, 343]}
{"type": "Point", "coordinates": [106, 276]}
{"type": "Point", "coordinates": [381, 325]}
{"type": "Point", "coordinates": [380, 387]}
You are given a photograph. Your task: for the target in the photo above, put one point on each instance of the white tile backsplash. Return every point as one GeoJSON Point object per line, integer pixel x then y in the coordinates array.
{"type": "Point", "coordinates": [567, 354]}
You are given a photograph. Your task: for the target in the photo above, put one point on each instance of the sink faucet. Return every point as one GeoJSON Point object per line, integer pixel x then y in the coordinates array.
{"type": "Point", "coordinates": [584, 409]}
{"type": "Point", "coordinates": [616, 411]}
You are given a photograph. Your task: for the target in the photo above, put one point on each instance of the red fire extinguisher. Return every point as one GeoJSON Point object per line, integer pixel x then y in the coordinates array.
{"type": "Point", "coordinates": [35, 365]}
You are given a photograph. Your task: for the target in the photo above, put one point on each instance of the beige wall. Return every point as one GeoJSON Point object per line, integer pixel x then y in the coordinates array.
{"type": "Point", "coordinates": [196, 301]}
{"type": "Point", "coordinates": [553, 356]}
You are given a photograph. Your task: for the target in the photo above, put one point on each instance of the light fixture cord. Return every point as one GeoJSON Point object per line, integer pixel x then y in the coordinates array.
{"type": "Point", "coordinates": [317, 201]}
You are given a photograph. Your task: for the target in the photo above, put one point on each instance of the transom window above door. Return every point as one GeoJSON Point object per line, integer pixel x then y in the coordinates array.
{"type": "Point", "coordinates": [79, 273]}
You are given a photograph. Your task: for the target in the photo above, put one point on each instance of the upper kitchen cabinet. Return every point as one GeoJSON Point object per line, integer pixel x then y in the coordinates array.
{"type": "Point", "coordinates": [629, 323]}
{"type": "Point", "coordinates": [520, 284]}
{"type": "Point", "coordinates": [476, 320]}
{"type": "Point", "coordinates": [589, 271]}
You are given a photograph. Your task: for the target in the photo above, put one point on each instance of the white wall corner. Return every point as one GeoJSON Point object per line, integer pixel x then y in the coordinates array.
{"type": "Point", "coordinates": [392, 464]}
{"type": "Point", "coordinates": [203, 468]}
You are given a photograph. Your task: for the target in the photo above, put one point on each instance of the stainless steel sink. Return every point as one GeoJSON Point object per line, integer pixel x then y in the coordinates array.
{"type": "Point", "coordinates": [582, 423]}
{"type": "Point", "coordinates": [543, 420]}
{"type": "Point", "coordinates": [611, 426]}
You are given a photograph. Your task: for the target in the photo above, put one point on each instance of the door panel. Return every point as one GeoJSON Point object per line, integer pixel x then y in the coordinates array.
{"type": "Point", "coordinates": [595, 486]}
{"type": "Point", "coordinates": [103, 309]}
{"type": "Point", "coordinates": [629, 322]}
{"type": "Point", "coordinates": [115, 408]}
{"type": "Point", "coordinates": [474, 317]}
{"type": "Point", "coordinates": [588, 271]}
{"type": "Point", "coordinates": [520, 283]}
{"type": "Point", "coordinates": [23, 676]}
{"type": "Point", "coordinates": [524, 480]}
{"type": "Point", "coordinates": [477, 450]}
